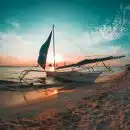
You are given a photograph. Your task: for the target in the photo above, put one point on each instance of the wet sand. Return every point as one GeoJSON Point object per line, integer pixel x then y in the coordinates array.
{"type": "Point", "coordinates": [101, 106]}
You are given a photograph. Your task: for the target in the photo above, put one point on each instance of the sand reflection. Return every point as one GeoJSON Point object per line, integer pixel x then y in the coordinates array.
{"type": "Point", "coordinates": [21, 98]}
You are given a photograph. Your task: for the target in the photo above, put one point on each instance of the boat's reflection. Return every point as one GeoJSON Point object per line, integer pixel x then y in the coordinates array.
{"type": "Point", "coordinates": [19, 98]}
{"type": "Point", "coordinates": [25, 96]}
{"type": "Point", "coordinates": [16, 98]}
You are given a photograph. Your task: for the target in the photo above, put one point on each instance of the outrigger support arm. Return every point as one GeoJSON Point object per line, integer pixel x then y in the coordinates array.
{"type": "Point", "coordinates": [92, 68]}
{"type": "Point", "coordinates": [107, 67]}
{"type": "Point", "coordinates": [88, 69]}
{"type": "Point", "coordinates": [24, 73]}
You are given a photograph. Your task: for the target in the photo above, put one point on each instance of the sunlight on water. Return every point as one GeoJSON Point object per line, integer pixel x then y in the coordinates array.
{"type": "Point", "coordinates": [20, 98]}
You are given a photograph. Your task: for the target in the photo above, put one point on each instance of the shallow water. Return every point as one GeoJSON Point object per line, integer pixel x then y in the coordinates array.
{"type": "Point", "coordinates": [17, 98]}
{"type": "Point", "coordinates": [12, 73]}
{"type": "Point", "coordinates": [12, 98]}
{"type": "Point", "coordinates": [9, 98]}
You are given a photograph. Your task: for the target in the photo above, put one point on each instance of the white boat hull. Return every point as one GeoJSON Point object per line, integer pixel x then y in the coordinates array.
{"type": "Point", "coordinates": [97, 76]}
{"type": "Point", "coordinates": [74, 76]}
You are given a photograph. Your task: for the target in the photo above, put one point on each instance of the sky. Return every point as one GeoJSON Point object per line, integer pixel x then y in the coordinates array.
{"type": "Point", "coordinates": [83, 28]}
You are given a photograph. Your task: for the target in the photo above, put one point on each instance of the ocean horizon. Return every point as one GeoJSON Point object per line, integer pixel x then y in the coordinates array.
{"type": "Point", "coordinates": [13, 72]}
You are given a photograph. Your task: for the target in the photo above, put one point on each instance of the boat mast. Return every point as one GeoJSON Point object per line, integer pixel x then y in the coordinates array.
{"type": "Point", "coordinates": [54, 48]}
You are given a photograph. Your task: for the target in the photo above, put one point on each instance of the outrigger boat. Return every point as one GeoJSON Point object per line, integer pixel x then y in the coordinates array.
{"type": "Point", "coordinates": [72, 72]}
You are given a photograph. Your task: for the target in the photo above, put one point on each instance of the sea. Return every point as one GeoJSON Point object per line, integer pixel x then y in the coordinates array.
{"type": "Point", "coordinates": [13, 73]}
{"type": "Point", "coordinates": [13, 95]}
{"type": "Point", "coordinates": [14, 98]}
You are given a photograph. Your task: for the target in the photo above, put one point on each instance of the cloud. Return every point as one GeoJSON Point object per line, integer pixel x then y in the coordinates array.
{"type": "Point", "coordinates": [125, 15]}
{"type": "Point", "coordinates": [10, 38]}
{"type": "Point", "coordinates": [15, 25]}
{"type": "Point", "coordinates": [19, 49]}
{"type": "Point", "coordinates": [127, 7]}
{"type": "Point", "coordinates": [13, 61]}
{"type": "Point", "coordinates": [14, 45]}
{"type": "Point", "coordinates": [103, 34]}
{"type": "Point", "coordinates": [27, 45]}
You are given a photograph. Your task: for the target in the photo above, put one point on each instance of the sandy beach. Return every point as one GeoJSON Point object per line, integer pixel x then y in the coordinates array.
{"type": "Point", "coordinates": [103, 106]}
{"type": "Point", "coordinates": [64, 65]}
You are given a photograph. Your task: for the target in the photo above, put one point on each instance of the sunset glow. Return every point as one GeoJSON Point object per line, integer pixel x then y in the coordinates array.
{"type": "Point", "coordinates": [51, 68]}
{"type": "Point", "coordinates": [58, 58]}
{"type": "Point", "coordinates": [84, 30]}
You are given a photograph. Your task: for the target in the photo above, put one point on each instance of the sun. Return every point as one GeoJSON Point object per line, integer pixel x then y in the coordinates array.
{"type": "Point", "coordinates": [58, 58]}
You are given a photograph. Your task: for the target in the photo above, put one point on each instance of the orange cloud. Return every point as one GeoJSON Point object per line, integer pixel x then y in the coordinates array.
{"type": "Point", "coordinates": [13, 61]}
{"type": "Point", "coordinates": [116, 62]}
